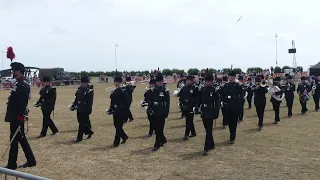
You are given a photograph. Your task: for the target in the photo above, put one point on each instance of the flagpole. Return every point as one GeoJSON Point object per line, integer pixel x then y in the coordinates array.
{"type": "Point", "coordinates": [2, 52]}
{"type": "Point", "coordinates": [115, 55]}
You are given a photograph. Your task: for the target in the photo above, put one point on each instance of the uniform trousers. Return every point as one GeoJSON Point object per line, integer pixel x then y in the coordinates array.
{"type": "Point", "coordinates": [276, 108]}
{"type": "Point", "coordinates": [118, 124]}
{"type": "Point", "coordinates": [249, 99]}
{"type": "Point", "coordinates": [159, 122]}
{"type": "Point", "coordinates": [208, 125]}
{"type": "Point", "coordinates": [130, 114]}
{"type": "Point", "coordinates": [316, 102]}
{"type": "Point", "coordinates": [224, 119]}
{"type": "Point", "coordinates": [303, 106]}
{"type": "Point", "coordinates": [22, 139]}
{"type": "Point", "coordinates": [151, 126]}
{"type": "Point", "coordinates": [241, 111]}
{"type": "Point", "coordinates": [232, 119]}
{"type": "Point", "coordinates": [260, 112]}
{"type": "Point", "coordinates": [47, 123]}
{"type": "Point", "coordinates": [189, 124]}
{"type": "Point", "coordinates": [289, 101]}
{"type": "Point", "coordinates": [83, 119]}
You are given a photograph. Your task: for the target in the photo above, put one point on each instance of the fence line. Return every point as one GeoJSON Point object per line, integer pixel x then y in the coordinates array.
{"type": "Point", "coordinates": [17, 174]}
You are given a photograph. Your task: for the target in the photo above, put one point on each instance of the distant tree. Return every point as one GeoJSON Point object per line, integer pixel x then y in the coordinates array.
{"type": "Point", "coordinates": [237, 70]}
{"type": "Point", "coordinates": [277, 69]}
{"type": "Point", "coordinates": [193, 71]}
{"type": "Point", "coordinates": [254, 70]}
{"type": "Point", "coordinates": [211, 71]}
{"type": "Point", "coordinates": [299, 69]}
{"type": "Point", "coordinates": [226, 70]}
{"type": "Point", "coordinates": [167, 72]}
{"type": "Point", "coordinates": [177, 71]}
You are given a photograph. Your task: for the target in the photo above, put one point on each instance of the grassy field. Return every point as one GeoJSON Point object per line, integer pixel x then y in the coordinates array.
{"type": "Point", "coordinates": [289, 150]}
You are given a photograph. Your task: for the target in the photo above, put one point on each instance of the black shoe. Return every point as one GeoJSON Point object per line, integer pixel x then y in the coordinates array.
{"type": "Point", "coordinates": [260, 128]}
{"type": "Point", "coordinates": [40, 136]}
{"type": "Point", "coordinates": [192, 135]}
{"type": "Point", "coordinates": [155, 149]}
{"type": "Point", "coordinates": [185, 138]}
{"type": "Point", "coordinates": [27, 164]}
{"type": "Point", "coordinates": [124, 140]}
{"type": "Point", "coordinates": [289, 116]}
{"type": "Point", "coordinates": [14, 167]}
{"type": "Point", "coordinates": [131, 120]}
{"type": "Point", "coordinates": [115, 145]}
{"type": "Point", "coordinates": [55, 133]}
{"type": "Point", "coordinates": [275, 122]}
{"type": "Point", "coordinates": [231, 142]}
{"type": "Point", "coordinates": [149, 135]}
{"type": "Point", "coordinates": [78, 140]}
{"type": "Point", "coordinates": [205, 152]}
{"type": "Point", "coordinates": [89, 136]}
{"type": "Point", "coordinates": [224, 127]}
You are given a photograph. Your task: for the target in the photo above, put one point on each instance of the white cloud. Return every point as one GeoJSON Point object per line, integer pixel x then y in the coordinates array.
{"type": "Point", "coordinates": [164, 33]}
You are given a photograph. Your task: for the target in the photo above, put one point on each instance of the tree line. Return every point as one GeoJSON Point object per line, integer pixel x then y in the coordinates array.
{"type": "Point", "coordinates": [192, 71]}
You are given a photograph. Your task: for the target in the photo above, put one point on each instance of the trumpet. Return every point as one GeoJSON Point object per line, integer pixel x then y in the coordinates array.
{"type": "Point", "coordinates": [132, 83]}
{"type": "Point", "coordinates": [72, 107]}
{"type": "Point", "coordinates": [37, 104]}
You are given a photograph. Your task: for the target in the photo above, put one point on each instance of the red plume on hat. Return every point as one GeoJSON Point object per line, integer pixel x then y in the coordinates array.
{"type": "Point", "coordinates": [10, 53]}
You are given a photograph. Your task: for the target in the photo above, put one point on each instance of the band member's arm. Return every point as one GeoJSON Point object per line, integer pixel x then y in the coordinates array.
{"type": "Point", "coordinates": [167, 101]}
{"type": "Point", "coordinates": [90, 101]}
{"type": "Point", "coordinates": [125, 101]}
{"type": "Point", "coordinates": [216, 103]}
{"type": "Point", "coordinates": [54, 97]}
{"type": "Point", "coordinates": [22, 92]}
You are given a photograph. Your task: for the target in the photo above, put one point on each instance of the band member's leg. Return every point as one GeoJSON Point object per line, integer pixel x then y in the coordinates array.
{"type": "Point", "coordinates": [241, 111]}
{"type": "Point", "coordinates": [289, 105]}
{"type": "Point", "coordinates": [13, 152]}
{"type": "Point", "coordinates": [82, 126]}
{"type": "Point", "coordinates": [208, 125]}
{"type": "Point", "coordinates": [118, 125]}
{"type": "Point", "coordinates": [151, 129]}
{"type": "Point", "coordinates": [51, 124]}
{"type": "Point", "coordinates": [31, 161]}
{"type": "Point", "coordinates": [249, 99]}
{"type": "Point", "coordinates": [163, 138]}
{"type": "Point", "coordinates": [157, 128]}
{"type": "Point", "coordinates": [224, 119]}
{"type": "Point", "coordinates": [303, 106]}
{"type": "Point", "coordinates": [277, 111]}
{"type": "Point", "coordinates": [45, 123]}
{"type": "Point", "coordinates": [130, 114]}
{"type": "Point", "coordinates": [316, 102]}
{"type": "Point", "coordinates": [233, 122]}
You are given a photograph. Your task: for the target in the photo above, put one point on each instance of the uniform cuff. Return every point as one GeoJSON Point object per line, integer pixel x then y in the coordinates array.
{"type": "Point", "coordinates": [20, 118]}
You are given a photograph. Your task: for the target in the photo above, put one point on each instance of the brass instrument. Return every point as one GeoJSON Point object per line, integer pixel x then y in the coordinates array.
{"type": "Point", "coordinates": [313, 90]}
{"type": "Point", "coordinates": [304, 97]}
{"type": "Point", "coordinates": [272, 90]}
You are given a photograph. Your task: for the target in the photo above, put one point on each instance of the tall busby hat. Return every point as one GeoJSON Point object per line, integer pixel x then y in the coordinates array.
{"type": "Point", "coordinates": [225, 78]}
{"type": "Point", "coordinates": [290, 77]}
{"type": "Point", "coordinates": [118, 79]}
{"type": "Point", "coordinates": [232, 73]}
{"type": "Point", "coordinates": [128, 78]}
{"type": "Point", "coordinates": [208, 77]}
{"type": "Point", "coordinates": [258, 79]}
{"type": "Point", "coordinates": [85, 79]}
{"type": "Point", "coordinates": [46, 79]}
{"type": "Point", "coordinates": [303, 78]}
{"type": "Point", "coordinates": [190, 77]}
{"type": "Point", "coordinates": [16, 66]}
{"type": "Point", "coordinates": [240, 78]}
{"type": "Point", "coordinates": [152, 81]}
{"type": "Point", "coordinates": [277, 79]}
{"type": "Point", "coordinates": [159, 77]}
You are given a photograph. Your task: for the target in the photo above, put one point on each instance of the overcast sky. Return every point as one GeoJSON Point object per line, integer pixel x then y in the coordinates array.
{"type": "Point", "coordinates": [81, 34]}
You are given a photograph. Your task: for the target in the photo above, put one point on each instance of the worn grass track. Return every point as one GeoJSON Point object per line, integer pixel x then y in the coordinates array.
{"type": "Point", "coordinates": [289, 150]}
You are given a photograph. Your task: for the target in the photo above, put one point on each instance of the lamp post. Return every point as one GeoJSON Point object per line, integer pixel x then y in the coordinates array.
{"type": "Point", "coordinates": [2, 52]}
{"type": "Point", "coordinates": [276, 50]}
{"type": "Point", "coordinates": [115, 55]}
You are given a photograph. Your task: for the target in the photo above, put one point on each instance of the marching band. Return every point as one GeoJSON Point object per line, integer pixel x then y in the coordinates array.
{"type": "Point", "coordinates": [205, 97]}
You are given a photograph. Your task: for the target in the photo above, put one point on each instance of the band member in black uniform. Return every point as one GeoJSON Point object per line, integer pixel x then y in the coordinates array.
{"type": "Point", "coordinates": [260, 91]}
{"type": "Point", "coordinates": [180, 84]}
{"type": "Point", "coordinates": [119, 108]}
{"type": "Point", "coordinates": [158, 106]}
{"type": "Point", "coordinates": [208, 104]}
{"type": "Point", "coordinates": [224, 120]}
{"type": "Point", "coordinates": [316, 93]}
{"type": "Point", "coordinates": [244, 90]}
{"type": "Point", "coordinates": [83, 104]}
{"type": "Point", "coordinates": [16, 114]}
{"type": "Point", "coordinates": [187, 97]}
{"type": "Point", "coordinates": [232, 96]}
{"type": "Point", "coordinates": [250, 92]}
{"type": "Point", "coordinates": [276, 103]}
{"type": "Point", "coordinates": [303, 90]}
{"type": "Point", "coordinates": [47, 101]}
{"type": "Point", "coordinates": [289, 89]}
{"type": "Point", "coordinates": [147, 95]}
{"type": "Point", "coordinates": [129, 90]}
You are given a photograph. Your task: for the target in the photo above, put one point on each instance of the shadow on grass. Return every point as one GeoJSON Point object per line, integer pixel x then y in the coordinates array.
{"type": "Point", "coordinates": [68, 131]}
{"type": "Point", "coordinates": [176, 126]}
{"type": "Point", "coordinates": [145, 151]}
{"type": "Point", "coordinates": [70, 142]}
{"type": "Point", "coordinates": [102, 148]}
